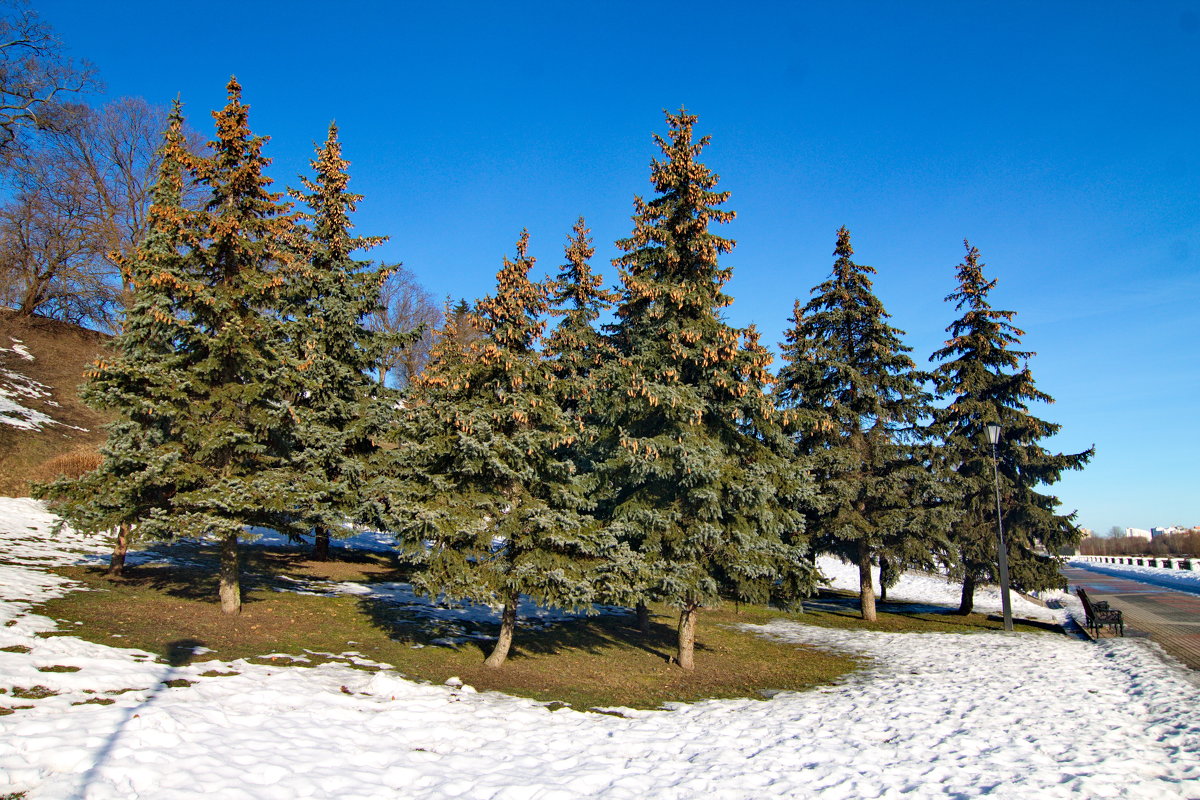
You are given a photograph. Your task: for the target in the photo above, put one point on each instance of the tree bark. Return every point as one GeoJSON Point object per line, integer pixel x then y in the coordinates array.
{"type": "Point", "coordinates": [321, 544]}
{"type": "Point", "coordinates": [116, 564]}
{"type": "Point", "coordinates": [967, 603]}
{"type": "Point", "coordinates": [866, 591]}
{"type": "Point", "coordinates": [643, 617]}
{"type": "Point", "coordinates": [885, 569]}
{"type": "Point", "coordinates": [230, 582]}
{"type": "Point", "coordinates": [685, 649]}
{"type": "Point", "coordinates": [508, 624]}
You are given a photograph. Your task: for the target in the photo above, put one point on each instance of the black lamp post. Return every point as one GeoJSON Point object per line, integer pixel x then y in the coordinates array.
{"type": "Point", "coordinates": [993, 435]}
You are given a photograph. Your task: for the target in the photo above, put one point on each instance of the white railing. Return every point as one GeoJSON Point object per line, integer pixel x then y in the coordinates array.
{"type": "Point", "coordinates": [1162, 562]}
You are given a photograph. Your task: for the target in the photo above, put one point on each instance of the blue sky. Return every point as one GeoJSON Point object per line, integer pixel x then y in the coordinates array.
{"type": "Point", "coordinates": [1060, 138]}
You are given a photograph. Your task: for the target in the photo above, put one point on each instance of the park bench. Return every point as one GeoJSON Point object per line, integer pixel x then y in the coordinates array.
{"type": "Point", "coordinates": [1099, 613]}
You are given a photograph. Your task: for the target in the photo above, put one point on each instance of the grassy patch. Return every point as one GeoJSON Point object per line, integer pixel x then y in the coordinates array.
{"type": "Point", "coordinates": [58, 668]}
{"type": "Point", "coordinates": [597, 661]}
{"type": "Point", "coordinates": [38, 692]}
{"type": "Point", "coordinates": [96, 701]}
{"type": "Point", "coordinates": [16, 648]}
{"type": "Point", "coordinates": [171, 610]}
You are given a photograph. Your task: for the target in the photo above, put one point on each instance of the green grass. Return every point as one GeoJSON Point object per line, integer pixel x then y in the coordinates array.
{"type": "Point", "coordinates": [593, 661]}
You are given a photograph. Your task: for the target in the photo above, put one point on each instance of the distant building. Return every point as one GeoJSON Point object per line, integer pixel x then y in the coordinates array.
{"type": "Point", "coordinates": [1137, 533]}
{"type": "Point", "coordinates": [1167, 531]}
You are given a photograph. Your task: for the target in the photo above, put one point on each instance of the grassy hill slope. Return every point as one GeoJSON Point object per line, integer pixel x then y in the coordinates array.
{"type": "Point", "coordinates": [42, 362]}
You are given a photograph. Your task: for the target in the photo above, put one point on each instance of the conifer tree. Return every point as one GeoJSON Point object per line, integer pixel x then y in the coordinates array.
{"type": "Point", "coordinates": [853, 401]}
{"type": "Point", "coordinates": [483, 497]}
{"type": "Point", "coordinates": [691, 474]}
{"type": "Point", "coordinates": [229, 430]}
{"type": "Point", "coordinates": [140, 468]}
{"type": "Point", "coordinates": [982, 373]}
{"type": "Point", "coordinates": [338, 408]}
{"type": "Point", "coordinates": [575, 346]}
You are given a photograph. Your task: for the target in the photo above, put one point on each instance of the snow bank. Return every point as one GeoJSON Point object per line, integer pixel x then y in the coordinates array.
{"type": "Point", "coordinates": [1180, 580]}
{"type": "Point", "coordinates": [919, 587]}
{"type": "Point", "coordinates": [932, 716]}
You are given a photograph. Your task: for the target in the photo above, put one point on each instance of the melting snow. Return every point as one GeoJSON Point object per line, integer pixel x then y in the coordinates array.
{"type": "Point", "coordinates": [17, 389]}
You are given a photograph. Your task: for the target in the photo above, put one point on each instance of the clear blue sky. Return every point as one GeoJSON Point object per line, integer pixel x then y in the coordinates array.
{"type": "Point", "coordinates": [1059, 137]}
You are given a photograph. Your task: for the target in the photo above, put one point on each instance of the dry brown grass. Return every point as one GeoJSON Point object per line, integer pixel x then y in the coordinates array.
{"type": "Point", "coordinates": [61, 353]}
{"type": "Point", "coordinates": [73, 464]}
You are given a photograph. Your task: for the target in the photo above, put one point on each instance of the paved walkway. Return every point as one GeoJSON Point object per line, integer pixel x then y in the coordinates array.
{"type": "Point", "coordinates": [1170, 618]}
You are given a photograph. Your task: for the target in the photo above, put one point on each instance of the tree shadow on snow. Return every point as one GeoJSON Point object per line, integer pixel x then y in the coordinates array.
{"type": "Point", "coordinates": [179, 654]}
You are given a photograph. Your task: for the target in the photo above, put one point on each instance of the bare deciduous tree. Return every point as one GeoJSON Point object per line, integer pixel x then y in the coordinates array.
{"type": "Point", "coordinates": [34, 71]}
{"type": "Point", "coordinates": [80, 190]}
{"type": "Point", "coordinates": [406, 307]}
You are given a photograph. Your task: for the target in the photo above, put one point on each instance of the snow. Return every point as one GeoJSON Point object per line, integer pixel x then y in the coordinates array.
{"type": "Point", "coordinates": [929, 716]}
{"type": "Point", "coordinates": [1179, 580]}
{"type": "Point", "coordinates": [16, 389]}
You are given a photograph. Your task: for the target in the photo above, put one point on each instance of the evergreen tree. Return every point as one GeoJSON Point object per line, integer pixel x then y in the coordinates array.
{"type": "Point", "coordinates": [338, 407]}
{"type": "Point", "coordinates": [691, 473]}
{"type": "Point", "coordinates": [854, 403]}
{"type": "Point", "coordinates": [983, 374]}
{"type": "Point", "coordinates": [575, 346]}
{"type": "Point", "coordinates": [483, 497]}
{"type": "Point", "coordinates": [232, 429]}
{"type": "Point", "coordinates": [137, 382]}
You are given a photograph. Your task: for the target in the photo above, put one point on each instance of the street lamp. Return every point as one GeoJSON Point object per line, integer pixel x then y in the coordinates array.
{"type": "Point", "coordinates": [993, 435]}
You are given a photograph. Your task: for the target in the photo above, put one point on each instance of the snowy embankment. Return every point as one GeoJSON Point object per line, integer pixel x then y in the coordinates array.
{"type": "Point", "coordinates": [1180, 580]}
{"type": "Point", "coordinates": [17, 389]}
{"type": "Point", "coordinates": [1014, 716]}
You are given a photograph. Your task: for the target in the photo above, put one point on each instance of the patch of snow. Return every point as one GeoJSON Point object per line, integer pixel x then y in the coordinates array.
{"type": "Point", "coordinates": [19, 348]}
{"type": "Point", "coordinates": [17, 389]}
{"type": "Point", "coordinates": [937, 590]}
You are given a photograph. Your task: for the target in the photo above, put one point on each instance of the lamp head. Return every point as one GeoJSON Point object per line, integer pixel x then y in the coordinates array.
{"type": "Point", "coordinates": [993, 434]}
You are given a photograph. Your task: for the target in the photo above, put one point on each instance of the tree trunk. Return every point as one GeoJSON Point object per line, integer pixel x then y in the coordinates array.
{"type": "Point", "coordinates": [968, 595]}
{"type": "Point", "coordinates": [116, 565]}
{"type": "Point", "coordinates": [643, 617]}
{"type": "Point", "coordinates": [684, 653]}
{"type": "Point", "coordinates": [321, 544]}
{"type": "Point", "coordinates": [508, 624]}
{"type": "Point", "coordinates": [885, 575]}
{"type": "Point", "coordinates": [230, 583]}
{"type": "Point", "coordinates": [866, 591]}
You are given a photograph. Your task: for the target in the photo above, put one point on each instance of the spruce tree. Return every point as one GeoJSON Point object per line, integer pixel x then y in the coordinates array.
{"type": "Point", "coordinates": [853, 401]}
{"type": "Point", "coordinates": [983, 374]}
{"type": "Point", "coordinates": [690, 473]}
{"type": "Point", "coordinates": [576, 347]}
{"type": "Point", "coordinates": [137, 382]}
{"type": "Point", "coordinates": [338, 408]}
{"type": "Point", "coordinates": [483, 496]}
{"type": "Point", "coordinates": [230, 430]}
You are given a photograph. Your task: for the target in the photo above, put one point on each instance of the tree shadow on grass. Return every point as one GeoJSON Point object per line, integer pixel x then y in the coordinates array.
{"type": "Point", "coordinates": [594, 634]}
{"type": "Point", "coordinates": [846, 606]}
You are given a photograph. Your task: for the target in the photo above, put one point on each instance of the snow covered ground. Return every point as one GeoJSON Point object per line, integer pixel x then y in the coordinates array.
{"type": "Point", "coordinates": [937, 715]}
